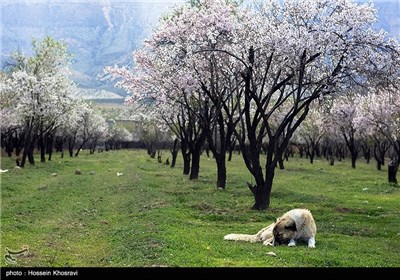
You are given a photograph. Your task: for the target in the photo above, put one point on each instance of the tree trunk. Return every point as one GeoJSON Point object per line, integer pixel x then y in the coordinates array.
{"type": "Point", "coordinates": [80, 147]}
{"type": "Point", "coordinates": [42, 147]}
{"type": "Point", "coordinates": [59, 144]}
{"type": "Point", "coordinates": [28, 139]}
{"type": "Point", "coordinates": [71, 144]}
{"type": "Point", "coordinates": [230, 152]}
{"type": "Point", "coordinates": [174, 153]}
{"type": "Point", "coordinates": [31, 149]}
{"type": "Point", "coordinates": [186, 158]}
{"type": "Point", "coordinates": [9, 145]}
{"type": "Point", "coordinates": [353, 160]}
{"type": "Point", "coordinates": [49, 145]}
{"type": "Point", "coordinates": [392, 170]}
{"type": "Point", "coordinates": [287, 154]}
{"type": "Point", "coordinates": [353, 148]}
{"type": "Point", "coordinates": [262, 190]}
{"type": "Point", "coordinates": [23, 159]}
{"type": "Point", "coordinates": [311, 158]}
{"type": "Point", "coordinates": [260, 197]}
{"type": "Point", "coordinates": [311, 152]}
{"type": "Point", "coordinates": [281, 164]}
{"type": "Point", "coordinates": [19, 145]}
{"type": "Point", "coordinates": [221, 171]}
{"type": "Point", "coordinates": [219, 148]}
{"type": "Point", "coordinates": [195, 168]}
{"type": "Point", "coordinates": [380, 149]}
{"type": "Point", "coordinates": [367, 155]}
{"type": "Point", "coordinates": [317, 149]}
{"type": "Point", "coordinates": [186, 163]}
{"type": "Point", "coordinates": [231, 147]}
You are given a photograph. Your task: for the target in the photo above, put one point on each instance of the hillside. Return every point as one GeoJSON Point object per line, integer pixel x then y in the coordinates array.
{"type": "Point", "coordinates": [103, 33]}
{"type": "Point", "coordinates": [98, 33]}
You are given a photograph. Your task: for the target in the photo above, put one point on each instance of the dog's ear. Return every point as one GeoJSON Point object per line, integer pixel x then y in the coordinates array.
{"type": "Point", "coordinates": [291, 225]}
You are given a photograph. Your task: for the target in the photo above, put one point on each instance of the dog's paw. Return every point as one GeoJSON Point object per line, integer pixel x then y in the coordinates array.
{"type": "Point", "coordinates": [311, 243]}
{"type": "Point", "coordinates": [292, 243]}
{"type": "Point", "coordinates": [269, 242]}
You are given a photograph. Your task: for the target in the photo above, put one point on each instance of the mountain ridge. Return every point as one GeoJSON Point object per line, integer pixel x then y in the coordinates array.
{"type": "Point", "coordinates": [105, 33]}
{"type": "Point", "coordinates": [97, 33]}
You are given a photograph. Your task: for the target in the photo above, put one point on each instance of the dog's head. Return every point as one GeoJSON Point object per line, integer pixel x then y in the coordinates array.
{"type": "Point", "coordinates": [284, 230]}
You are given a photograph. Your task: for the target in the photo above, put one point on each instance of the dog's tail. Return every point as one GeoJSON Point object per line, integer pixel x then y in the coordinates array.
{"type": "Point", "coordinates": [242, 237]}
{"type": "Point", "coordinates": [265, 235]}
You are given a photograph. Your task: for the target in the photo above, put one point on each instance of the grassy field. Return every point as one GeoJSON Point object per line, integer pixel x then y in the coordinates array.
{"type": "Point", "coordinates": [153, 215]}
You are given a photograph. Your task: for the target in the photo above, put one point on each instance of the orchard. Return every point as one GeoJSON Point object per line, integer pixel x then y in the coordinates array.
{"type": "Point", "coordinates": [224, 74]}
{"type": "Point", "coordinates": [267, 80]}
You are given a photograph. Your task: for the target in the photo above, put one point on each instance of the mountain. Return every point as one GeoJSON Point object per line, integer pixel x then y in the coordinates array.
{"type": "Point", "coordinates": [104, 33]}
{"type": "Point", "coordinates": [98, 33]}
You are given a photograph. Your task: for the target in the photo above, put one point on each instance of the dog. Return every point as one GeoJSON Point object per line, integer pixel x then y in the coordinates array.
{"type": "Point", "coordinates": [296, 225]}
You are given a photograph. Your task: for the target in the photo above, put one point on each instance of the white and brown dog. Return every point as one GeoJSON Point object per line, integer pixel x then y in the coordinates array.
{"type": "Point", "coordinates": [296, 225]}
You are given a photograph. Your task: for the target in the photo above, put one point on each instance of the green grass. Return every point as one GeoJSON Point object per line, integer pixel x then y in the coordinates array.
{"type": "Point", "coordinates": [153, 215]}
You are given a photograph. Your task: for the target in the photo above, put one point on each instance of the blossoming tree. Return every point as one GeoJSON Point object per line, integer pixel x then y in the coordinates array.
{"type": "Point", "coordinates": [344, 116]}
{"type": "Point", "coordinates": [380, 112]}
{"type": "Point", "coordinates": [274, 58]}
{"type": "Point", "coordinates": [40, 91]}
{"type": "Point", "coordinates": [311, 132]}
